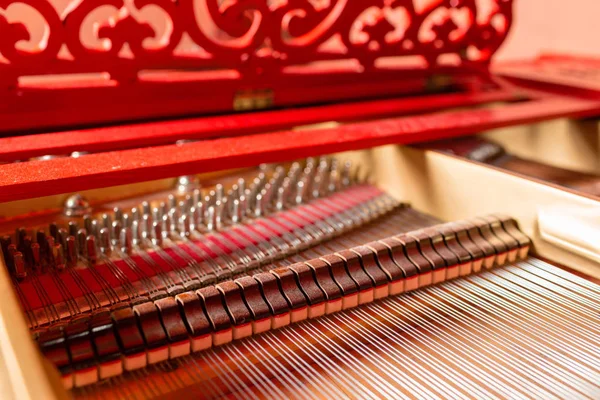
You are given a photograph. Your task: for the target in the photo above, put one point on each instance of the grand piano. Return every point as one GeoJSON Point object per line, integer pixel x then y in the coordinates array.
{"type": "Point", "coordinates": [294, 199]}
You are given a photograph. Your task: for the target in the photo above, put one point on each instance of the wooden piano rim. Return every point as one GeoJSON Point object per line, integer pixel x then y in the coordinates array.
{"type": "Point", "coordinates": [25, 375]}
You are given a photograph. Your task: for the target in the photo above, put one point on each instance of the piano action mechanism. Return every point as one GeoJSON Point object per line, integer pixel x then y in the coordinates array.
{"type": "Point", "coordinates": [217, 205]}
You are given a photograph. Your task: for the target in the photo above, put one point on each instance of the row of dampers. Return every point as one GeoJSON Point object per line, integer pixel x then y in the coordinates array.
{"type": "Point", "coordinates": [107, 344]}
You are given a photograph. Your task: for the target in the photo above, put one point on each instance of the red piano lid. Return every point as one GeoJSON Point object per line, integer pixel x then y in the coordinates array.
{"type": "Point", "coordinates": [563, 73]}
{"type": "Point", "coordinates": [224, 56]}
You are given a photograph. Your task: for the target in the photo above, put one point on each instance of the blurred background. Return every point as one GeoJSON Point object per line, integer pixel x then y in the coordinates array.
{"type": "Point", "coordinates": [553, 26]}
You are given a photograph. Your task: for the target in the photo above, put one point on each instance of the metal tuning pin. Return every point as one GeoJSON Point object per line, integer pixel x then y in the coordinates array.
{"type": "Point", "coordinates": [280, 199]}
{"type": "Point", "coordinates": [125, 240]}
{"type": "Point", "coordinates": [105, 246]}
{"type": "Point", "coordinates": [53, 228]}
{"type": "Point", "coordinates": [73, 228]}
{"type": "Point", "coordinates": [135, 233]}
{"type": "Point", "coordinates": [118, 214]}
{"type": "Point", "coordinates": [144, 226]}
{"type": "Point", "coordinates": [116, 231]}
{"type": "Point", "coordinates": [156, 214]}
{"type": "Point", "coordinates": [189, 201]}
{"type": "Point", "coordinates": [219, 193]}
{"type": "Point", "coordinates": [258, 206]}
{"type": "Point", "coordinates": [91, 249]}
{"type": "Point", "coordinates": [334, 183]}
{"type": "Point", "coordinates": [346, 171]}
{"type": "Point", "coordinates": [200, 211]}
{"type": "Point", "coordinates": [196, 196]}
{"type": "Point", "coordinates": [193, 217]}
{"type": "Point", "coordinates": [157, 235]}
{"type": "Point", "coordinates": [145, 208]}
{"type": "Point", "coordinates": [241, 186]}
{"type": "Point", "coordinates": [36, 255]}
{"type": "Point", "coordinates": [19, 264]}
{"type": "Point", "coordinates": [59, 256]}
{"type": "Point", "coordinates": [184, 225]}
{"type": "Point", "coordinates": [236, 212]}
{"type": "Point", "coordinates": [164, 209]}
{"type": "Point", "coordinates": [135, 214]}
{"type": "Point", "coordinates": [106, 220]}
{"type": "Point", "coordinates": [171, 202]}
{"type": "Point", "coordinates": [95, 228]}
{"type": "Point", "coordinates": [211, 218]}
{"type": "Point", "coordinates": [299, 195]}
{"type": "Point", "coordinates": [187, 183]}
{"type": "Point", "coordinates": [71, 251]}
{"type": "Point", "coordinates": [87, 223]}
{"type": "Point", "coordinates": [62, 237]}
{"type": "Point", "coordinates": [126, 220]}
{"type": "Point", "coordinates": [81, 237]}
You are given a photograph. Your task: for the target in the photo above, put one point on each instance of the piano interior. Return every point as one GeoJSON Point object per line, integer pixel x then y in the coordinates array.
{"type": "Point", "coordinates": [330, 224]}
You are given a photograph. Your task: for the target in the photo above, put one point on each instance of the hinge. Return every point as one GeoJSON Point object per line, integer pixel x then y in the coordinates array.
{"type": "Point", "coordinates": [246, 100]}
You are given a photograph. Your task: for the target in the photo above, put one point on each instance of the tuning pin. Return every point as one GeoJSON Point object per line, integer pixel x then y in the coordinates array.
{"type": "Point", "coordinates": [200, 211]}
{"type": "Point", "coordinates": [135, 233]}
{"type": "Point", "coordinates": [183, 207]}
{"type": "Point", "coordinates": [106, 221]}
{"type": "Point", "coordinates": [346, 174]}
{"type": "Point", "coordinates": [19, 235]}
{"type": "Point", "coordinates": [144, 226]}
{"type": "Point", "coordinates": [259, 206]}
{"type": "Point", "coordinates": [116, 231]}
{"type": "Point", "coordinates": [211, 219]}
{"type": "Point", "coordinates": [298, 198]}
{"type": "Point", "coordinates": [157, 235]}
{"type": "Point", "coordinates": [50, 249]}
{"type": "Point", "coordinates": [193, 217]}
{"type": "Point", "coordinates": [171, 221]}
{"type": "Point", "coordinates": [145, 208]}
{"type": "Point", "coordinates": [40, 237]}
{"type": "Point", "coordinates": [236, 212]}
{"type": "Point", "coordinates": [126, 220]}
{"type": "Point", "coordinates": [90, 246]}
{"type": "Point", "coordinates": [26, 250]}
{"type": "Point", "coordinates": [59, 256]}
{"type": "Point", "coordinates": [19, 264]}
{"type": "Point", "coordinates": [81, 237]}
{"type": "Point", "coordinates": [73, 228]}
{"type": "Point", "coordinates": [36, 255]}
{"type": "Point", "coordinates": [163, 208]}
{"type": "Point", "coordinates": [125, 240]}
{"type": "Point", "coordinates": [279, 201]}
{"type": "Point", "coordinates": [172, 201]}
{"type": "Point", "coordinates": [105, 247]}
{"type": "Point", "coordinates": [95, 228]}
{"type": "Point", "coordinates": [241, 185]}
{"type": "Point", "coordinates": [87, 223]}
{"type": "Point", "coordinates": [164, 226]}
{"type": "Point", "coordinates": [135, 214]}
{"type": "Point", "coordinates": [71, 250]}
{"type": "Point", "coordinates": [219, 193]}
{"type": "Point", "coordinates": [156, 214]}
{"type": "Point", "coordinates": [53, 229]}
{"type": "Point", "coordinates": [196, 196]}
{"type": "Point", "coordinates": [118, 213]}
{"type": "Point", "coordinates": [189, 202]}
{"type": "Point", "coordinates": [187, 183]}
{"type": "Point", "coordinates": [184, 225]}
{"type": "Point", "coordinates": [62, 237]}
